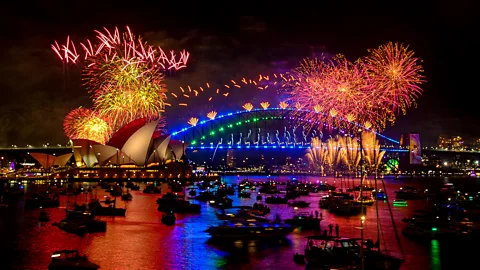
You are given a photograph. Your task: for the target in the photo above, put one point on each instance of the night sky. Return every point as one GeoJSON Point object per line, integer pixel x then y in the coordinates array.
{"type": "Point", "coordinates": [36, 95]}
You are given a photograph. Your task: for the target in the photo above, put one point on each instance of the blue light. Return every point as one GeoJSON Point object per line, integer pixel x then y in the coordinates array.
{"type": "Point", "coordinates": [265, 146]}
{"type": "Point", "coordinates": [291, 146]}
{"type": "Point", "coordinates": [202, 147]}
{"type": "Point", "coordinates": [221, 147]}
{"type": "Point", "coordinates": [256, 146]}
{"type": "Point", "coordinates": [238, 146]}
{"type": "Point", "coordinates": [270, 109]}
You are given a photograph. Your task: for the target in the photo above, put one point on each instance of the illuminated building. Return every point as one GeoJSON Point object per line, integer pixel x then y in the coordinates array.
{"type": "Point", "coordinates": [450, 142]}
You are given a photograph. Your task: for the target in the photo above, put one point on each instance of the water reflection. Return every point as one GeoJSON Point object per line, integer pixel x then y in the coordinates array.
{"type": "Point", "coordinates": [140, 241]}
{"type": "Point", "coordinates": [435, 263]}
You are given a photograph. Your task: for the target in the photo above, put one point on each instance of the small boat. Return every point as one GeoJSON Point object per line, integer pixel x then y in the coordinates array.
{"type": "Point", "coordinates": [127, 197]}
{"type": "Point", "coordinates": [366, 200]}
{"type": "Point", "coordinates": [346, 207]}
{"type": "Point", "coordinates": [44, 217]}
{"type": "Point", "coordinates": [410, 193]}
{"type": "Point", "coordinates": [305, 221]}
{"type": "Point", "coordinates": [70, 259]}
{"type": "Point", "coordinates": [379, 195]}
{"type": "Point", "coordinates": [301, 204]}
{"type": "Point", "coordinates": [400, 202]}
{"type": "Point", "coordinates": [169, 219]}
{"type": "Point", "coordinates": [152, 190]}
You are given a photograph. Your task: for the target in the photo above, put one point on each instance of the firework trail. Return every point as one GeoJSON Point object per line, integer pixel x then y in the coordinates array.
{"type": "Point", "coordinates": [123, 74]}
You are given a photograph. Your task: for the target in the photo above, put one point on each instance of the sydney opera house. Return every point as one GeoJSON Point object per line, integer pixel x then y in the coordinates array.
{"type": "Point", "coordinates": [138, 150]}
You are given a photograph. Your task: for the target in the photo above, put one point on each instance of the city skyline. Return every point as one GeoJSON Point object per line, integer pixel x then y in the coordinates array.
{"type": "Point", "coordinates": [239, 47]}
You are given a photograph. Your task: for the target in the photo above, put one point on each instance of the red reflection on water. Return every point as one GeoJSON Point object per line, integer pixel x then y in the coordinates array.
{"type": "Point", "coordinates": [140, 241]}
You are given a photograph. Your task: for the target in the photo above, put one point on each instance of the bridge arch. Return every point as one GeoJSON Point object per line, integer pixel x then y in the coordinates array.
{"type": "Point", "coordinates": [260, 128]}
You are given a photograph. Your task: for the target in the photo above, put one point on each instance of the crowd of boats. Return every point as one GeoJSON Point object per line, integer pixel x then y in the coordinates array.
{"type": "Point", "coordinates": [452, 217]}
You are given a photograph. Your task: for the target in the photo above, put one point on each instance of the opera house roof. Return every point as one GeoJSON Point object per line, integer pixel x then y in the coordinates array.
{"type": "Point", "coordinates": [137, 143]}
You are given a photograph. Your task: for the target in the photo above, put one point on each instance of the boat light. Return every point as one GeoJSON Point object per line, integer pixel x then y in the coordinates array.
{"type": "Point", "coordinates": [434, 229]}
{"type": "Point", "coordinates": [55, 255]}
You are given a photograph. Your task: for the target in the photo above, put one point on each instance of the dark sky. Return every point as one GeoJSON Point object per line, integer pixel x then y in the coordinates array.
{"type": "Point", "coordinates": [36, 96]}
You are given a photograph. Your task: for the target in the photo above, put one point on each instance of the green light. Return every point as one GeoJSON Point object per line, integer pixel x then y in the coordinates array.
{"type": "Point", "coordinates": [255, 119]}
{"type": "Point", "coordinates": [203, 137]}
{"type": "Point", "coordinates": [221, 129]}
{"type": "Point", "coordinates": [230, 126]}
{"type": "Point", "coordinates": [212, 133]}
{"type": "Point", "coordinates": [434, 229]}
{"type": "Point", "coordinates": [193, 142]}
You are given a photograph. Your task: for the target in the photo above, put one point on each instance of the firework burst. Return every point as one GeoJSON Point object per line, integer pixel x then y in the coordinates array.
{"type": "Point", "coordinates": [83, 123]}
{"type": "Point", "coordinates": [395, 74]}
{"type": "Point", "coordinates": [123, 74]}
{"type": "Point", "coordinates": [370, 91]}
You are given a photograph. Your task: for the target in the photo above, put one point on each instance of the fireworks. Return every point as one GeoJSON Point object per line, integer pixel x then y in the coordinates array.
{"type": "Point", "coordinates": [283, 105]}
{"type": "Point", "coordinates": [123, 74]}
{"type": "Point", "coordinates": [83, 123]}
{"type": "Point", "coordinates": [193, 121]}
{"type": "Point", "coordinates": [248, 106]}
{"type": "Point", "coordinates": [211, 115]}
{"type": "Point", "coordinates": [393, 70]}
{"type": "Point", "coordinates": [369, 91]}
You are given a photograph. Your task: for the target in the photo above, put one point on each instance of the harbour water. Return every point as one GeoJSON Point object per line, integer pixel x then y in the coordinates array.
{"type": "Point", "coordinates": [140, 241]}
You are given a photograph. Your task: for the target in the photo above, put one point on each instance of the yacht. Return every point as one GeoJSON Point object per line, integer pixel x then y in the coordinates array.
{"type": "Point", "coordinates": [236, 230]}
{"type": "Point", "coordinates": [345, 252]}
{"type": "Point", "coordinates": [305, 221]}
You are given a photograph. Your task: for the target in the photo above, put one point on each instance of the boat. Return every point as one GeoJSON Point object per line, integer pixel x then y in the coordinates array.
{"type": "Point", "coordinates": [379, 195]}
{"type": "Point", "coordinates": [169, 219]}
{"type": "Point", "coordinates": [177, 204]}
{"type": "Point", "coordinates": [301, 204]}
{"type": "Point", "coordinates": [259, 209]}
{"type": "Point", "coordinates": [80, 223]}
{"type": "Point", "coordinates": [417, 232]}
{"type": "Point", "coordinates": [70, 259]}
{"type": "Point", "coordinates": [328, 251]}
{"type": "Point", "coordinates": [152, 190]}
{"type": "Point", "coordinates": [346, 207]}
{"type": "Point", "coordinates": [127, 197]}
{"type": "Point", "coordinates": [410, 193]}
{"type": "Point", "coordinates": [400, 202]}
{"type": "Point", "coordinates": [276, 200]}
{"type": "Point", "coordinates": [236, 230]}
{"type": "Point", "coordinates": [243, 214]}
{"type": "Point", "coordinates": [43, 217]}
{"type": "Point", "coordinates": [305, 221]}
{"type": "Point", "coordinates": [98, 210]}
{"type": "Point", "coordinates": [366, 200]}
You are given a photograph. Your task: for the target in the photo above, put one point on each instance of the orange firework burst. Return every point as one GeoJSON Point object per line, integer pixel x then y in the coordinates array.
{"type": "Point", "coordinates": [83, 123]}
{"type": "Point", "coordinates": [395, 74]}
